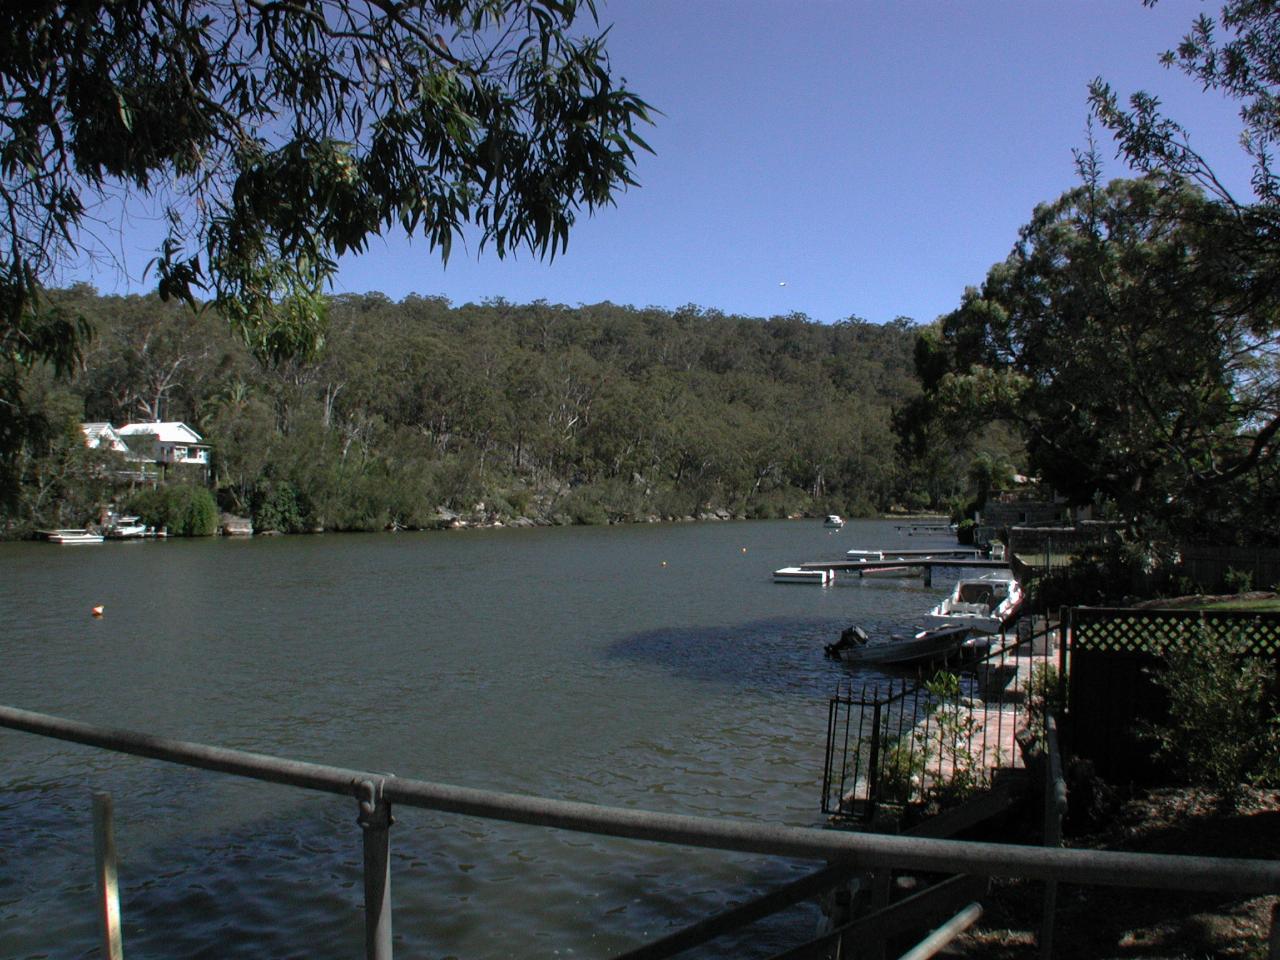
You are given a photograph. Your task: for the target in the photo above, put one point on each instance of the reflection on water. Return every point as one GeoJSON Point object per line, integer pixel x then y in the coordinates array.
{"type": "Point", "coordinates": [649, 667]}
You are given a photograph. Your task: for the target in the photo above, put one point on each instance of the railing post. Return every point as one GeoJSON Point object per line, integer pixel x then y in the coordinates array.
{"type": "Point", "coordinates": [104, 853]}
{"type": "Point", "coordinates": [1055, 808]}
{"type": "Point", "coordinates": [873, 764]}
{"type": "Point", "coordinates": [375, 821]}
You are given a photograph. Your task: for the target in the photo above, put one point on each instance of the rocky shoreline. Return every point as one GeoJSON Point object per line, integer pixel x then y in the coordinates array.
{"type": "Point", "coordinates": [480, 518]}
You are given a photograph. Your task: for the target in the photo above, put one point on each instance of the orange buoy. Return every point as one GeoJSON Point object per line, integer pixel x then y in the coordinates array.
{"type": "Point", "coordinates": [97, 610]}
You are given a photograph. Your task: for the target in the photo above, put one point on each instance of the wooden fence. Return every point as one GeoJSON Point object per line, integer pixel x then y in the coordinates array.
{"type": "Point", "coordinates": [1209, 567]}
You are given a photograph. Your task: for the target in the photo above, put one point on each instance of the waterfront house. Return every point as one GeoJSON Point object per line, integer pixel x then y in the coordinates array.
{"type": "Point", "coordinates": [167, 443]}
{"type": "Point", "coordinates": [135, 468]}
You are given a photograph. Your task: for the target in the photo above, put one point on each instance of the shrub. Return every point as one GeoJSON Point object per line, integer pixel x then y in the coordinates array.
{"type": "Point", "coordinates": [860, 507]}
{"type": "Point", "coordinates": [916, 500]}
{"type": "Point", "coordinates": [584, 505]}
{"type": "Point", "coordinates": [185, 511]}
{"type": "Point", "coordinates": [948, 744]}
{"type": "Point", "coordinates": [1223, 731]}
{"type": "Point", "coordinates": [1044, 697]}
{"type": "Point", "coordinates": [278, 506]}
{"type": "Point", "coordinates": [955, 729]}
{"type": "Point", "coordinates": [198, 515]}
{"type": "Point", "coordinates": [902, 769]}
{"type": "Point", "coordinates": [519, 500]}
{"type": "Point", "coordinates": [1238, 581]}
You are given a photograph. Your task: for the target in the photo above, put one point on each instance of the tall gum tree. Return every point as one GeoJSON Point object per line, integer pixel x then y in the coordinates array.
{"type": "Point", "coordinates": [1117, 337]}
{"type": "Point", "coordinates": [1234, 54]}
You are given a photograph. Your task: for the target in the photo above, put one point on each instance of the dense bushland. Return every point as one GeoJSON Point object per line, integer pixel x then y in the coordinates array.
{"type": "Point", "coordinates": [583, 415]}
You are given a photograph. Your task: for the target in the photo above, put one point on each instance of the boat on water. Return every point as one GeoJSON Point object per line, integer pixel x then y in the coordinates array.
{"type": "Point", "coordinates": [986, 604]}
{"type": "Point", "coordinates": [130, 528]}
{"type": "Point", "coordinates": [801, 575]}
{"type": "Point", "coordinates": [833, 522]}
{"type": "Point", "coordinates": [921, 649]}
{"type": "Point", "coordinates": [72, 535]}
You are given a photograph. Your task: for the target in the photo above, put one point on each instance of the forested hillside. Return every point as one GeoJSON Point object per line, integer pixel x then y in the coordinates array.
{"type": "Point", "coordinates": [584, 414]}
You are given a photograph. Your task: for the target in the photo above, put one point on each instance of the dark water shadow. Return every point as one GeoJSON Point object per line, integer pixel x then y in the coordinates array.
{"type": "Point", "coordinates": [774, 655]}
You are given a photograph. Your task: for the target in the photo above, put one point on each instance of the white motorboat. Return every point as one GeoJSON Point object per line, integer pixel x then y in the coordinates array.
{"type": "Point", "coordinates": [128, 528]}
{"type": "Point", "coordinates": [74, 535]}
{"type": "Point", "coordinates": [833, 522]}
{"type": "Point", "coordinates": [984, 604]}
{"type": "Point", "coordinates": [927, 646]}
{"type": "Point", "coordinates": [801, 575]}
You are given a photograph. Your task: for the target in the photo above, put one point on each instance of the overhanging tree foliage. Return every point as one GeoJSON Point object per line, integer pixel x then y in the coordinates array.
{"type": "Point", "coordinates": [276, 136]}
{"type": "Point", "coordinates": [1235, 54]}
{"type": "Point", "coordinates": [1238, 55]}
{"type": "Point", "coordinates": [1117, 336]}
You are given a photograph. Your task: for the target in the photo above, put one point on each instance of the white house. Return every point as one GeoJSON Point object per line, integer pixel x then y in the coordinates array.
{"type": "Point", "coordinates": [167, 442]}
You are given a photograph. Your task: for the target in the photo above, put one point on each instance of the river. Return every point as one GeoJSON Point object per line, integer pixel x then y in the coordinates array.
{"type": "Point", "coordinates": [647, 666]}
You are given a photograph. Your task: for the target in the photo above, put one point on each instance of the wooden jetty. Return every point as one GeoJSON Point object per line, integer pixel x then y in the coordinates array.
{"type": "Point", "coordinates": [924, 527]}
{"type": "Point", "coordinates": [906, 560]}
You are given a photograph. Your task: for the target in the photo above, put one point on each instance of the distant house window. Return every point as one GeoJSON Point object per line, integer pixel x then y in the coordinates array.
{"type": "Point", "coordinates": [179, 453]}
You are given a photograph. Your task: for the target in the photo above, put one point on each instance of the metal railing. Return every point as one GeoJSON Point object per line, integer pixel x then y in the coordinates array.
{"type": "Point", "coordinates": [376, 793]}
{"type": "Point", "coordinates": [897, 741]}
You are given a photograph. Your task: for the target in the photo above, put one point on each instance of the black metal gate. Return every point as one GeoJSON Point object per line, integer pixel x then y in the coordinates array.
{"type": "Point", "coordinates": [903, 741]}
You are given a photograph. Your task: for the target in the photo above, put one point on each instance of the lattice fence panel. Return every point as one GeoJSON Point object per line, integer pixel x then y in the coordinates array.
{"type": "Point", "coordinates": [1108, 658]}
{"type": "Point", "coordinates": [1153, 631]}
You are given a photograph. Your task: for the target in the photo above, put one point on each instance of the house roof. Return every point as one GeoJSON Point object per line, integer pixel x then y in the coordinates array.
{"type": "Point", "coordinates": [101, 434]}
{"type": "Point", "coordinates": [95, 430]}
{"type": "Point", "coordinates": [166, 432]}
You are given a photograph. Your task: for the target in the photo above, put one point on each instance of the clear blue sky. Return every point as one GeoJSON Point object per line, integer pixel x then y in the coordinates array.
{"type": "Point", "coordinates": [876, 156]}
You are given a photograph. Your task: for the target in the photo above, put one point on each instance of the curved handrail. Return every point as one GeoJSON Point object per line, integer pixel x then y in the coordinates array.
{"type": "Point", "coordinates": [1160, 871]}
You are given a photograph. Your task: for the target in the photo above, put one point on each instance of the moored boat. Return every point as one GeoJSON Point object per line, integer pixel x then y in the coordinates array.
{"type": "Point", "coordinates": [924, 647]}
{"type": "Point", "coordinates": [986, 604]}
{"type": "Point", "coordinates": [128, 528]}
{"type": "Point", "coordinates": [833, 522]}
{"type": "Point", "coordinates": [72, 535]}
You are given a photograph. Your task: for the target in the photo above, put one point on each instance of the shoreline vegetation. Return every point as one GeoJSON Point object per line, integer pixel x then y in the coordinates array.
{"type": "Point", "coordinates": [519, 414]}
{"type": "Point", "coordinates": [478, 519]}
{"type": "Point", "coordinates": [233, 526]}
